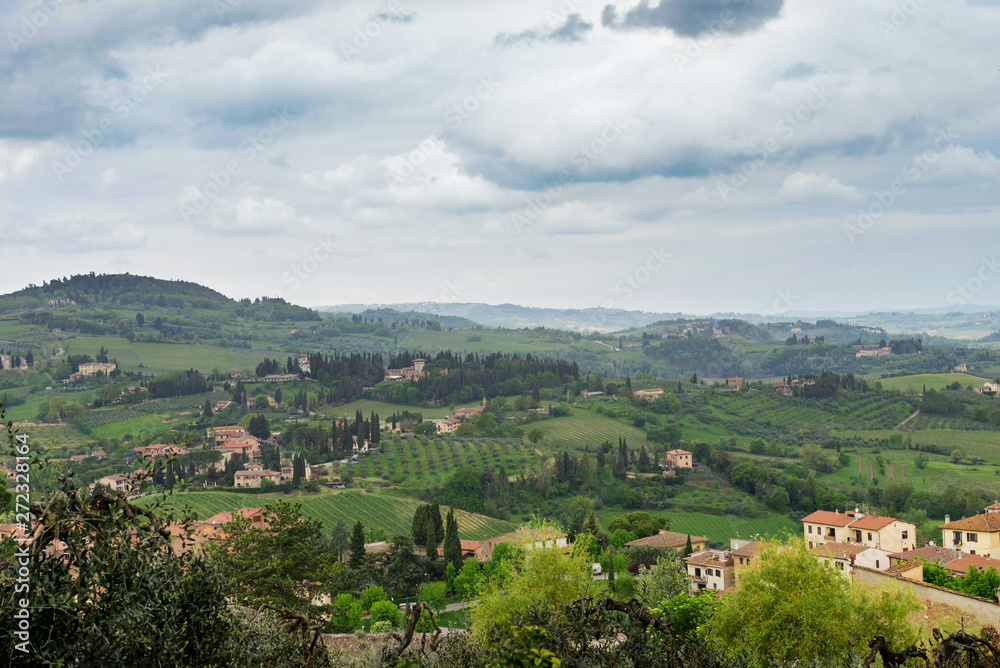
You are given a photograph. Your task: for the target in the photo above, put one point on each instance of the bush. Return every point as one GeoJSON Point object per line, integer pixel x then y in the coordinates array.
{"type": "Point", "coordinates": [386, 611]}
{"type": "Point", "coordinates": [382, 627]}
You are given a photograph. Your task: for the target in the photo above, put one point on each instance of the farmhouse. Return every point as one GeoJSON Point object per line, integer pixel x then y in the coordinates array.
{"type": "Point", "coordinates": [91, 368]}
{"type": "Point", "coordinates": [253, 477]}
{"type": "Point", "coordinates": [227, 433]}
{"type": "Point", "coordinates": [304, 364]}
{"type": "Point", "coordinates": [526, 537]}
{"type": "Point", "coordinates": [743, 553]}
{"type": "Point", "coordinates": [448, 425]}
{"type": "Point", "coordinates": [651, 394]}
{"type": "Point", "coordinates": [877, 352]}
{"type": "Point", "coordinates": [979, 534]}
{"type": "Point", "coordinates": [469, 412]}
{"type": "Point", "coordinates": [885, 533]}
{"type": "Point", "coordinates": [280, 377]}
{"type": "Point", "coordinates": [709, 570]}
{"type": "Point", "coordinates": [677, 459]}
{"type": "Point", "coordinates": [734, 383]}
{"type": "Point", "coordinates": [415, 372]}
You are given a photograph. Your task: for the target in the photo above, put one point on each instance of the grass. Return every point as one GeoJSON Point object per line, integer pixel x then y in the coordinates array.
{"type": "Point", "coordinates": [392, 513]}
{"type": "Point", "coordinates": [583, 428]}
{"type": "Point", "coordinates": [167, 356]}
{"type": "Point", "coordinates": [383, 409]}
{"type": "Point", "coordinates": [717, 528]}
{"type": "Point", "coordinates": [939, 474]}
{"type": "Point", "coordinates": [152, 423]}
{"type": "Point", "coordinates": [933, 381]}
{"type": "Point", "coordinates": [983, 444]}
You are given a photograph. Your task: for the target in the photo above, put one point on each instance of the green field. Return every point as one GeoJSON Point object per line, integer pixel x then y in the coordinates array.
{"type": "Point", "coordinates": [932, 381]}
{"type": "Point", "coordinates": [374, 510]}
{"type": "Point", "coordinates": [717, 528]}
{"type": "Point", "coordinates": [939, 475]}
{"type": "Point", "coordinates": [149, 357]}
{"type": "Point", "coordinates": [584, 428]}
{"type": "Point", "coordinates": [983, 444]}
{"type": "Point", "coordinates": [384, 410]}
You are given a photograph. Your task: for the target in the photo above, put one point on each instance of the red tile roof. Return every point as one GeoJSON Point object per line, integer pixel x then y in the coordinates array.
{"type": "Point", "coordinates": [828, 518]}
{"type": "Point", "coordinates": [961, 566]}
{"type": "Point", "coordinates": [931, 553]}
{"type": "Point", "coordinates": [840, 550]}
{"type": "Point", "coordinates": [872, 522]}
{"type": "Point", "coordinates": [666, 539]}
{"type": "Point", "coordinates": [986, 522]}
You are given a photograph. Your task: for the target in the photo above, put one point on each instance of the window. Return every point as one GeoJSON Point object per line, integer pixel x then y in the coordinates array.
{"type": "Point", "coordinates": [741, 561]}
{"type": "Point", "coordinates": [906, 534]}
{"type": "Point", "coordinates": [840, 565]}
{"type": "Point", "coordinates": [971, 537]}
{"type": "Point", "coordinates": [956, 537]}
{"type": "Point", "coordinates": [876, 564]}
{"type": "Point", "coordinates": [857, 535]}
{"type": "Point", "coordinates": [869, 535]}
{"type": "Point", "coordinates": [972, 551]}
{"type": "Point", "coordinates": [831, 532]}
{"type": "Point", "coordinates": [810, 528]}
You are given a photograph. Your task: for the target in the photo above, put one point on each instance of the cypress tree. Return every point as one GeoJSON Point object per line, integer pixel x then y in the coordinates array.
{"type": "Point", "coordinates": [358, 546]}
{"type": "Point", "coordinates": [687, 548]}
{"type": "Point", "coordinates": [432, 542]}
{"type": "Point", "coordinates": [452, 544]}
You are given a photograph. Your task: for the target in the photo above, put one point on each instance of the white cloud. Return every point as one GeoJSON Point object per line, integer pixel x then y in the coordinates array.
{"type": "Point", "coordinates": [805, 187]}
{"type": "Point", "coordinates": [962, 162]}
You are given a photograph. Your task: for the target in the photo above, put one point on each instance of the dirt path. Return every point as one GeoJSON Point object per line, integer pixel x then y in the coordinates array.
{"type": "Point", "coordinates": [915, 414]}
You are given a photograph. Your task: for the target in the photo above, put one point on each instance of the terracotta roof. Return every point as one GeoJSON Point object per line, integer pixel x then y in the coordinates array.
{"type": "Point", "coordinates": [709, 558]}
{"type": "Point", "coordinates": [873, 522]}
{"type": "Point", "coordinates": [961, 566]}
{"type": "Point", "coordinates": [678, 452]}
{"type": "Point", "coordinates": [985, 522]}
{"type": "Point", "coordinates": [748, 550]}
{"type": "Point", "coordinates": [931, 553]}
{"type": "Point", "coordinates": [993, 506]}
{"type": "Point", "coordinates": [828, 518]}
{"type": "Point", "coordinates": [666, 539]}
{"type": "Point", "coordinates": [840, 550]}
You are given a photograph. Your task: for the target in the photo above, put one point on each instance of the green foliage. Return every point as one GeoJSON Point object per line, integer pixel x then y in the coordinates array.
{"type": "Point", "coordinates": [434, 594]}
{"type": "Point", "coordinates": [640, 523]}
{"type": "Point", "coordinates": [831, 616]}
{"type": "Point", "coordinates": [620, 537]}
{"type": "Point", "coordinates": [586, 547]}
{"type": "Point", "coordinates": [467, 580]}
{"type": "Point", "coordinates": [686, 614]}
{"type": "Point", "coordinates": [977, 582]}
{"type": "Point", "coordinates": [346, 613]}
{"type": "Point", "coordinates": [663, 580]}
{"type": "Point", "coordinates": [287, 565]}
{"type": "Point", "coordinates": [371, 595]}
{"type": "Point", "coordinates": [386, 611]}
{"type": "Point", "coordinates": [549, 579]}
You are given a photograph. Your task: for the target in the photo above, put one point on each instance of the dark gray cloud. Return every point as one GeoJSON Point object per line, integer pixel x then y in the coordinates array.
{"type": "Point", "coordinates": [574, 29]}
{"type": "Point", "coordinates": [691, 18]}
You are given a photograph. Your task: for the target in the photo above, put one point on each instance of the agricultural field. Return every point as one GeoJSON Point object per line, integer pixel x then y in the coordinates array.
{"type": "Point", "coordinates": [900, 467]}
{"type": "Point", "coordinates": [156, 357]}
{"type": "Point", "coordinates": [717, 528]}
{"type": "Point", "coordinates": [863, 411]}
{"type": "Point", "coordinates": [583, 428]}
{"type": "Point", "coordinates": [932, 381]}
{"type": "Point", "coordinates": [982, 444]}
{"type": "Point", "coordinates": [421, 462]}
{"type": "Point", "coordinates": [384, 410]}
{"type": "Point", "coordinates": [52, 435]}
{"type": "Point", "coordinates": [392, 513]}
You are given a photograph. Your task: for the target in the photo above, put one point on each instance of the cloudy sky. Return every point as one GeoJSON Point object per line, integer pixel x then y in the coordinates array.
{"type": "Point", "coordinates": [692, 155]}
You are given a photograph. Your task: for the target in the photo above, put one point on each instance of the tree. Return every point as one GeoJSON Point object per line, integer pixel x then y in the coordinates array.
{"type": "Point", "coordinates": [207, 409]}
{"type": "Point", "coordinates": [832, 617]}
{"type": "Point", "coordinates": [434, 594]}
{"type": "Point", "coordinates": [535, 435]}
{"type": "Point", "coordinates": [340, 539]}
{"type": "Point", "coordinates": [688, 549]}
{"type": "Point", "coordinates": [957, 456]}
{"type": "Point", "coordinates": [467, 580]}
{"type": "Point", "coordinates": [452, 543]}
{"type": "Point", "coordinates": [140, 319]}
{"type": "Point", "coordinates": [346, 614]}
{"type": "Point", "coordinates": [259, 427]}
{"type": "Point", "coordinates": [386, 611]}
{"type": "Point", "coordinates": [287, 565]}
{"type": "Point", "coordinates": [663, 580]}
{"type": "Point", "coordinates": [372, 595]}
{"type": "Point", "coordinates": [401, 574]}
{"type": "Point", "coordinates": [642, 524]}
{"type": "Point", "coordinates": [549, 579]}
{"type": "Point", "coordinates": [921, 461]}
{"type": "Point", "coordinates": [358, 555]}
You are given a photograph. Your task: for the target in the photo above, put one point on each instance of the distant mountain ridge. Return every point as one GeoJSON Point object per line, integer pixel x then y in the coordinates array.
{"type": "Point", "coordinates": [513, 316]}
